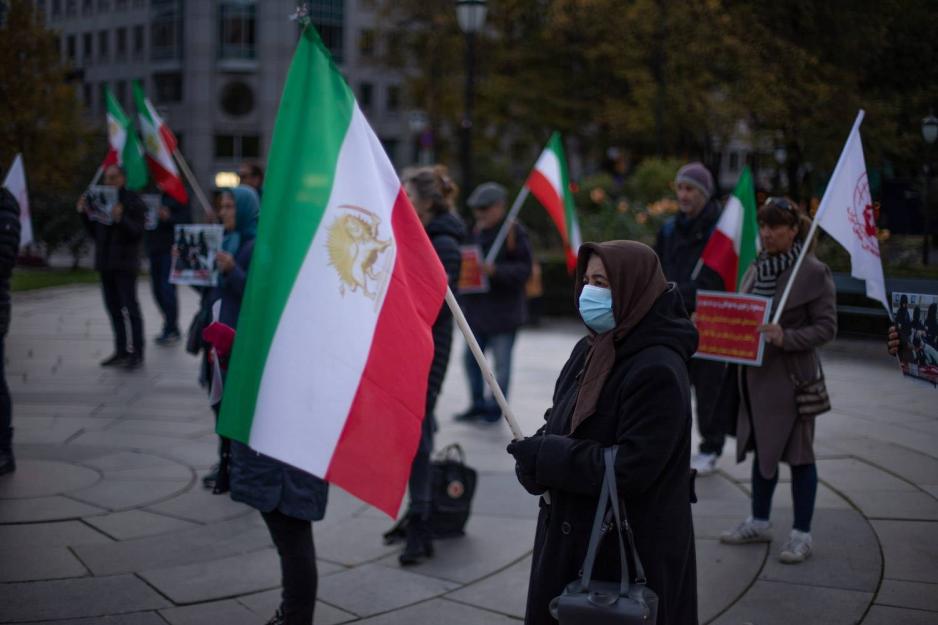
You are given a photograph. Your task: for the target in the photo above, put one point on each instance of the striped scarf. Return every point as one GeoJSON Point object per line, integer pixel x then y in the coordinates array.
{"type": "Point", "coordinates": [770, 267]}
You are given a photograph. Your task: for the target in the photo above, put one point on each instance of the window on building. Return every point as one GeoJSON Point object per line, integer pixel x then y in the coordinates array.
{"type": "Point", "coordinates": [104, 5]}
{"type": "Point", "coordinates": [167, 87]}
{"type": "Point", "coordinates": [56, 8]}
{"type": "Point", "coordinates": [734, 161]}
{"type": "Point", "coordinates": [71, 8]}
{"type": "Point", "coordinates": [104, 40]}
{"type": "Point", "coordinates": [120, 4]}
{"type": "Point", "coordinates": [237, 99]}
{"type": "Point", "coordinates": [87, 7]}
{"type": "Point", "coordinates": [366, 43]}
{"type": "Point", "coordinates": [120, 92]}
{"type": "Point", "coordinates": [236, 147]}
{"type": "Point", "coordinates": [120, 46]}
{"type": "Point", "coordinates": [365, 95]}
{"type": "Point", "coordinates": [165, 30]}
{"type": "Point", "coordinates": [327, 17]}
{"type": "Point", "coordinates": [138, 41]}
{"type": "Point", "coordinates": [393, 103]}
{"type": "Point", "coordinates": [71, 48]}
{"type": "Point", "coordinates": [394, 54]}
{"type": "Point", "coordinates": [236, 39]}
{"type": "Point", "coordinates": [86, 47]}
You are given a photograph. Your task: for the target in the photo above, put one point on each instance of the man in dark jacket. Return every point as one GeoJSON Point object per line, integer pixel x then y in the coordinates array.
{"type": "Point", "coordinates": [117, 258]}
{"type": "Point", "coordinates": [496, 315]}
{"type": "Point", "coordinates": [159, 248]}
{"type": "Point", "coordinates": [680, 243]}
{"type": "Point", "coordinates": [9, 248]}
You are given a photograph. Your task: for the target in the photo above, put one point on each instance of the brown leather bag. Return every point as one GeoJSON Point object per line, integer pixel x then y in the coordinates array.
{"type": "Point", "coordinates": [811, 398]}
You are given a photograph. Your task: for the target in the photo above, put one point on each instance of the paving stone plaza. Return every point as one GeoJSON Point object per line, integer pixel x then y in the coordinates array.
{"type": "Point", "coordinates": [106, 519]}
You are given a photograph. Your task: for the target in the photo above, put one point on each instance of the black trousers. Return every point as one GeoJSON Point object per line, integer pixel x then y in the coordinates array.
{"type": "Point", "coordinates": [6, 405]}
{"type": "Point", "coordinates": [294, 541]}
{"type": "Point", "coordinates": [706, 376]}
{"type": "Point", "coordinates": [120, 294]}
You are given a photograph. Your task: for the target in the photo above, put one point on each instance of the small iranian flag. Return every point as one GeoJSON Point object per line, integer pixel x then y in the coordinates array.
{"type": "Point", "coordinates": [333, 349]}
{"type": "Point", "coordinates": [125, 149]}
{"type": "Point", "coordinates": [734, 243]}
{"type": "Point", "coordinates": [550, 184]}
{"type": "Point", "coordinates": [160, 143]}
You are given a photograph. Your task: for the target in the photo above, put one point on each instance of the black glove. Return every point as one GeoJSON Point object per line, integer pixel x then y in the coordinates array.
{"type": "Point", "coordinates": [528, 481]}
{"type": "Point", "coordinates": [525, 453]}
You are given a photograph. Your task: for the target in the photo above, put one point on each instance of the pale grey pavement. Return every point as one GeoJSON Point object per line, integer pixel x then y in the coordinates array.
{"type": "Point", "coordinates": [106, 520]}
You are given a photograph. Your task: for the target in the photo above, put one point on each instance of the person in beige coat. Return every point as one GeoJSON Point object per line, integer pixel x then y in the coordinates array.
{"type": "Point", "coordinates": [768, 422]}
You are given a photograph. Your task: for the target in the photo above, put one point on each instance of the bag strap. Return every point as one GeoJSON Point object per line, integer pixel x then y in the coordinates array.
{"type": "Point", "coordinates": [606, 498]}
{"type": "Point", "coordinates": [819, 372]}
{"type": "Point", "coordinates": [622, 522]}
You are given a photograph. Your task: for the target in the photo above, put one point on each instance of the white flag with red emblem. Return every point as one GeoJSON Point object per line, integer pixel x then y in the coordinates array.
{"type": "Point", "coordinates": [846, 213]}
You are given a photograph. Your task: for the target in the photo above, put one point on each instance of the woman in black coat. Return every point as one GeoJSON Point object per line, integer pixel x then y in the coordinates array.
{"type": "Point", "coordinates": [432, 194]}
{"type": "Point", "coordinates": [625, 384]}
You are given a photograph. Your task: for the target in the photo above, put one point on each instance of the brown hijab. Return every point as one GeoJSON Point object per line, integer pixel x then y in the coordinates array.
{"type": "Point", "coordinates": [637, 281]}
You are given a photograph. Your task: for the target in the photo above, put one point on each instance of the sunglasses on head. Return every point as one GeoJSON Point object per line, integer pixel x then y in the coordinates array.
{"type": "Point", "coordinates": [783, 203]}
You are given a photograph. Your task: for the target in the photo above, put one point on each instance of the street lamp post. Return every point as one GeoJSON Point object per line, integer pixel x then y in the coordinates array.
{"type": "Point", "coordinates": [471, 17]}
{"type": "Point", "coordinates": [929, 134]}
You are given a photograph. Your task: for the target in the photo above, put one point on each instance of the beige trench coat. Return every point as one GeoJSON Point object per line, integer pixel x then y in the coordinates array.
{"type": "Point", "coordinates": [809, 321]}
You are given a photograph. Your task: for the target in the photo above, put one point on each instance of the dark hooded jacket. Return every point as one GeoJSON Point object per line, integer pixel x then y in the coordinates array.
{"type": "Point", "coordinates": [680, 243]}
{"type": "Point", "coordinates": [9, 248]}
{"type": "Point", "coordinates": [644, 408]}
{"type": "Point", "coordinates": [446, 232]}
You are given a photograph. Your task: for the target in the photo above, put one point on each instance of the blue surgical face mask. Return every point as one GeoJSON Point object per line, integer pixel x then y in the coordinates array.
{"type": "Point", "coordinates": [596, 308]}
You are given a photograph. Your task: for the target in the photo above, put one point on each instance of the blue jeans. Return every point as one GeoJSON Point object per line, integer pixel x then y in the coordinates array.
{"type": "Point", "coordinates": [500, 346]}
{"type": "Point", "coordinates": [803, 493]}
{"type": "Point", "coordinates": [163, 292]}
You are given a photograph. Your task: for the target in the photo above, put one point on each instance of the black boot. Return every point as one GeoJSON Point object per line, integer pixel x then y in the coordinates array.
{"type": "Point", "coordinates": [419, 544]}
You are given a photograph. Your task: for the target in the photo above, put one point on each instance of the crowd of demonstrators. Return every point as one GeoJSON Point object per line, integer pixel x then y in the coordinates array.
{"type": "Point", "coordinates": [9, 248]}
{"type": "Point", "coordinates": [251, 174]}
{"type": "Point", "coordinates": [117, 259]}
{"type": "Point", "coordinates": [159, 243]}
{"type": "Point", "coordinates": [680, 243]}
{"type": "Point", "coordinates": [496, 314]}
{"type": "Point", "coordinates": [624, 385]}
{"type": "Point", "coordinates": [768, 422]}
{"type": "Point", "coordinates": [432, 193]}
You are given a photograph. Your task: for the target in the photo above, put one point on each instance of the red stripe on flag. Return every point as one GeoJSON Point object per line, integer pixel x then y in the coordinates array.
{"type": "Point", "coordinates": [373, 457]}
{"type": "Point", "coordinates": [169, 183]}
{"type": "Point", "coordinates": [545, 193]}
{"type": "Point", "coordinates": [720, 255]}
{"type": "Point", "coordinates": [110, 158]}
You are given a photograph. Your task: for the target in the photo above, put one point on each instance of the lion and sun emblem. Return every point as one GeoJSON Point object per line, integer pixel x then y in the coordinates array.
{"type": "Point", "coordinates": [358, 253]}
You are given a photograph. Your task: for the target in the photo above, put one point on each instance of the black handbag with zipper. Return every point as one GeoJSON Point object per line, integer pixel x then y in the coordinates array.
{"type": "Point", "coordinates": [628, 601]}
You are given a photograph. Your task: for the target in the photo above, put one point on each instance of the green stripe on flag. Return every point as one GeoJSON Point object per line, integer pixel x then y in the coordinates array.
{"type": "Point", "coordinates": [315, 112]}
{"type": "Point", "coordinates": [556, 146]}
{"type": "Point", "coordinates": [746, 194]}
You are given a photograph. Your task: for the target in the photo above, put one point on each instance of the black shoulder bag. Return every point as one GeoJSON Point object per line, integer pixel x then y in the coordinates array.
{"type": "Point", "coordinates": [625, 602]}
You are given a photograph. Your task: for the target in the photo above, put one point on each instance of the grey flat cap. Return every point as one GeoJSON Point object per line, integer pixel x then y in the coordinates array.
{"type": "Point", "coordinates": [486, 194]}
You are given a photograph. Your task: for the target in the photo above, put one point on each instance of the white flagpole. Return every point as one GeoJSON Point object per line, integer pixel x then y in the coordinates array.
{"type": "Point", "coordinates": [483, 364]}
{"type": "Point", "coordinates": [97, 176]}
{"type": "Point", "coordinates": [184, 166]}
{"type": "Point", "coordinates": [506, 225]}
{"type": "Point", "coordinates": [822, 207]}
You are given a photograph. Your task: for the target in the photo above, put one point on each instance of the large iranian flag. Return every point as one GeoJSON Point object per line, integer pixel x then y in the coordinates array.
{"type": "Point", "coordinates": [160, 143]}
{"type": "Point", "coordinates": [734, 243]}
{"type": "Point", "coordinates": [550, 184]}
{"type": "Point", "coordinates": [124, 147]}
{"type": "Point", "coordinates": [333, 347]}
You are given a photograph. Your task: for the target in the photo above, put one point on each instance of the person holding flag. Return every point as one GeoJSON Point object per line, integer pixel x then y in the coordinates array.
{"type": "Point", "coordinates": [680, 244]}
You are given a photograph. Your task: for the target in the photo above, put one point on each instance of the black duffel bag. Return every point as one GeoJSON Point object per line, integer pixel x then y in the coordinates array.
{"type": "Point", "coordinates": [452, 486]}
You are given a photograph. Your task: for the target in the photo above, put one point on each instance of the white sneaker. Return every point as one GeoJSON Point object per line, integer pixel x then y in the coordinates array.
{"type": "Point", "coordinates": [797, 549]}
{"type": "Point", "coordinates": [749, 531]}
{"type": "Point", "coordinates": [704, 463]}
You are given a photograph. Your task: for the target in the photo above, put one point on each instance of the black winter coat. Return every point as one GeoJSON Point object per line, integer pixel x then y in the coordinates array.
{"type": "Point", "coordinates": [679, 246]}
{"type": "Point", "coordinates": [446, 233]}
{"type": "Point", "coordinates": [504, 308]}
{"type": "Point", "coordinates": [117, 246]}
{"type": "Point", "coordinates": [9, 248]}
{"type": "Point", "coordinates": [161, 239]}
{"type": "Point", "coordinates": [644, 408]}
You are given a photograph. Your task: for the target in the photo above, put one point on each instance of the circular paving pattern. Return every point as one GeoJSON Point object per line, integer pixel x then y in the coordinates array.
{"type": "Point", "coordinates": [41, 478]}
